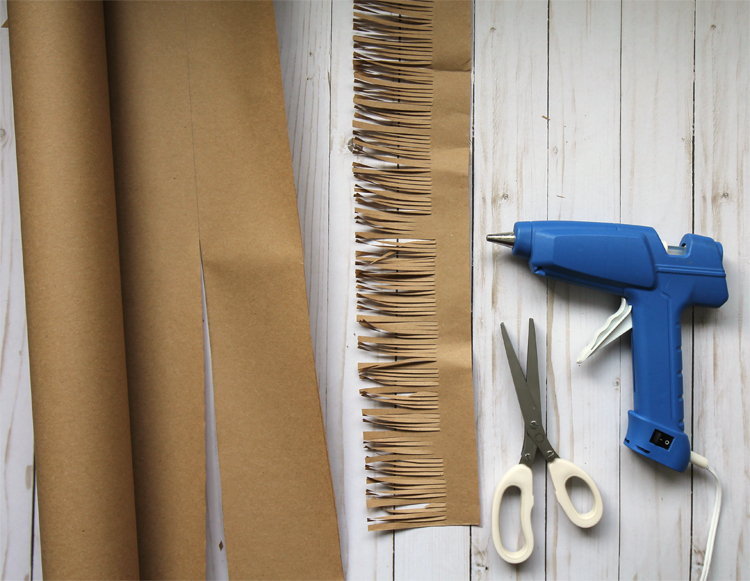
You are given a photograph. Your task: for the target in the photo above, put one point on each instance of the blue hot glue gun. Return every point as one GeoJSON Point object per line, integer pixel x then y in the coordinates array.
{"type": "Point", "coordinates": [657, 283]}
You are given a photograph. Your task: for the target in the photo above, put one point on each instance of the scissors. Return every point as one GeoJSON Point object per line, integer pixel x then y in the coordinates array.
{"type": "Point", "coordinates": [520, 476]}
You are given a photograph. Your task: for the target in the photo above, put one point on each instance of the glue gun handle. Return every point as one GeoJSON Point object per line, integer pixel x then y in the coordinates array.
{"type": "Point", "coordinates": [655, 426]}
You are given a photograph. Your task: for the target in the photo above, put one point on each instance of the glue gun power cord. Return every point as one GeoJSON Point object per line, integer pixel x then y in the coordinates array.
{"type": "Point", "coordinates": [698, 460]}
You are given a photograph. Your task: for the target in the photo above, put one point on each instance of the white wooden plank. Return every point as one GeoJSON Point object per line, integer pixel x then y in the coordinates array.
{"type": "Point", "coordinates": [656, 145]}
{"type": "Point", "coordinates": [510, 184]}
{"type": "Point", "coordinates": [16, 440]}
{"type": "Point", "coordinates": [657, 115]}
{"type": "Point", "coordinates": [304, 31]}
{"type": "Point", "coordinates": [432, 553]}
{"type": "Point", "coordinates": [366, 555]}
{"type": "Point", "coordinates": [319, 132]}
{"type": "Point", "coordinates": [36, 557]}
{"type": "Point", "coordinates": [721, 424]}
{"type": "Point", "coordinates": [217, 567]}
{"type": "Point", "coordinates": [583, 80]}
{"type": "Point", "coordinates": [583, 402]}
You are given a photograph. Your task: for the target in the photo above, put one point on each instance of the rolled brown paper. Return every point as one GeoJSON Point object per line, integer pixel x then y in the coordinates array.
{"type": "Point", "coordinates": [157, 217]}
{"type": "Point", "coordinates": [73, 297]}
{"type": "Point", "coordinates": [201, 152]}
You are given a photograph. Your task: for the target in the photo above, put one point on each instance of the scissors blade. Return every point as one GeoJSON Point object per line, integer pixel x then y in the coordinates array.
{"type": "Point", "coordinates": [532, 367]}
{"type": "Point", "coordinates": [529, 409]}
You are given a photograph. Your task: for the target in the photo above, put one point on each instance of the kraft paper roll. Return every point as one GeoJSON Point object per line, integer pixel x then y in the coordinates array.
{"type": "Point", "coordinates": [202, 171]}
{"type": "Point", "coordinates": [73, 298]}
{"type": "Point", "coordinates": [160, 266]}
{"type": "Point", "coordinates": [201, 152]}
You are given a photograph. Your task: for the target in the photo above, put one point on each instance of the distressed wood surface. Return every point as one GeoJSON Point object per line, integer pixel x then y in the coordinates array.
{"type": "Point", "coordinates": [721, 404]}
{"type": "Point", "coordinates": [16, 433]}
{"type": "Point", "coordinates": [615, 81]}
{"type": "Point", "coordinates": [615, 111]}
{"type": "Point", "coordinates": [583, 401]}
{"type": "Point", "coordinates": [364, 555]}
{"type": "Point", "coordinates": [656, 188]}
{"type": "Point", "coordinates": [305, 52]}
{"type": "Point", "coordinates": [510, 184]}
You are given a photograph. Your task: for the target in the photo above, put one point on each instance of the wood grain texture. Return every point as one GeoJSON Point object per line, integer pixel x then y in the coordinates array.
{"type": "Point", "coordinates": [365, 555]}
{"type": "Point", "coordinates": [621, 103]}
{"type": "Point", "coordinates": [439, 553]}
{"type": "Point", "coordinates": [305, 51]}
{"type": "Point", "coordinates": [583, 401]}
{"type": "Point", "coordinates": [656, 185]}
{"type": "Point", "coordinates": [16, 433]}
{"type": "Point", "coordinates": [510, 184]}
{"type": "Point", "coordinates": [721, 426]}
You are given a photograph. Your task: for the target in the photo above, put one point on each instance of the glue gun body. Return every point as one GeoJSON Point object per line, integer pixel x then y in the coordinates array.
{"type": "Point", "coordinates": [659, 283]}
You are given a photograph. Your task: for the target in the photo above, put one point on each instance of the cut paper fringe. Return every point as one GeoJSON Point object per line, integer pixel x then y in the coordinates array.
{"type": "Point", "coordinates": [395, 271]}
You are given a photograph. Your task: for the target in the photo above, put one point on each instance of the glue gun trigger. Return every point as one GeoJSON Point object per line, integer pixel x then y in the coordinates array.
{"type": "Point", "coordinates": [619, 323]}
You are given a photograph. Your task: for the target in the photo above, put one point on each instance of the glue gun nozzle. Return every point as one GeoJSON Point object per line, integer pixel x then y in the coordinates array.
{"type": "Point", "coordinates": [507, 239]}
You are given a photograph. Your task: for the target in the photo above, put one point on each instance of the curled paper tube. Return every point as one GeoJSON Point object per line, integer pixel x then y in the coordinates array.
{"type": "Point", "coordinates": [161, 283]}
{"type": "Point", "coordinates": [72, 277]}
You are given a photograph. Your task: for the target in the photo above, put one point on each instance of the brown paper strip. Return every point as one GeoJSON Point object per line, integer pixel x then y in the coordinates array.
{"type": "Point", "coordinates": [412, 62]}
{"type": "Point", "coordinates": [279, 512]}
{"type": "Point", "coordinates": [72, 277]}
{"type": "Point", "coordinates": [160, 264]}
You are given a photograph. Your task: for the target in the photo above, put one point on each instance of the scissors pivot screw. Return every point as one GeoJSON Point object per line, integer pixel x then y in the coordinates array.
{"type": "Point", "coordinates": [534, 424]}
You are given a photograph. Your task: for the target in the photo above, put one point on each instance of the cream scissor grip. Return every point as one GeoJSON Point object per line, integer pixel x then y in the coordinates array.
{"type": "Point", "coordinates": [561, 471]}
{"type": "Point", "coordinates": [519, 477]}
{"type": "Point", "coordinates": [535, 438]}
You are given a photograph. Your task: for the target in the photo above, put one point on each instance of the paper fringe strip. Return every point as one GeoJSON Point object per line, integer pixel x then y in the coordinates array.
{"type": "Point", "coordinates": [395, 272]}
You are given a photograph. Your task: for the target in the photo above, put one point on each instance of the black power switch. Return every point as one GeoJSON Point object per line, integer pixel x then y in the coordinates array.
{"type": "Point", "coordinates": [661, 439]}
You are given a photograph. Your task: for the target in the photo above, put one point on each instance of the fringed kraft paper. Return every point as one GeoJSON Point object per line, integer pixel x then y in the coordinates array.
{"type": "Point", "coordinates": [412, 70]}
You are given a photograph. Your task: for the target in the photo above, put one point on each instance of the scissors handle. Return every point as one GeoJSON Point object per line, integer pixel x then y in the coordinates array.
{"type": "Point", "coordinates": [519, 476]}
{"type": "Point", "coordinates": [563, 470]}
